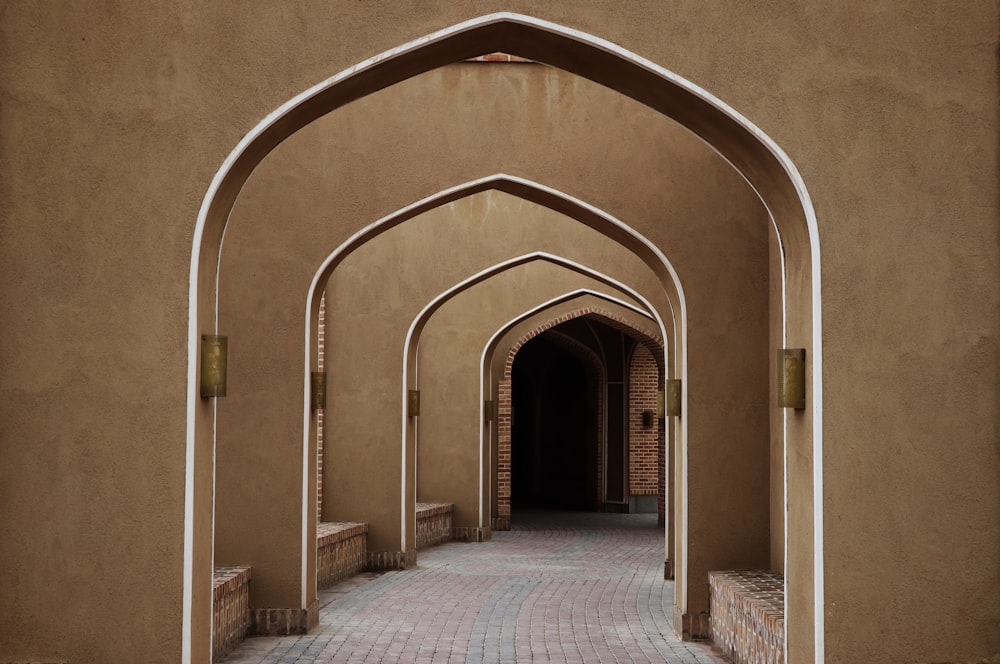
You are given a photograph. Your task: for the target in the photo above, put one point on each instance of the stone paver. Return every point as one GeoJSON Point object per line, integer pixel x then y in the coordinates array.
{"type": "Point", "coordinates": [561, 587]}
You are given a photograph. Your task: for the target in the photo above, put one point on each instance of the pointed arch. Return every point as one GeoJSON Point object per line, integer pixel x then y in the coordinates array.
{"type": "Point", "coordinates": [764, 165]}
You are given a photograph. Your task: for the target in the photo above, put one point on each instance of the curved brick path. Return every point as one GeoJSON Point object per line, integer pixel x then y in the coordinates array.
{"type": "Point", "coordinates": [560, 587]}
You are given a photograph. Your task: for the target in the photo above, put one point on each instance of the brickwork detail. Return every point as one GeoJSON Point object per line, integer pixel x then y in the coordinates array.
{"type": "Point", "coordinates": [472, 534]}
{"type": "Point", "coordinates": [283, 622]}
{"type": "Point", "coordinates": [501, 57]}
{"type": "Point", "coordinates": [502, 520]}
{"type": "Point", "coordinates": [320, 414]}
{"type": "Point", "coordinates": [748, 616]}
{"type": "Point", "coordinates": [661, 474]}
{"type": "Point", "coordinates": [231, 620]}
{"type": "Point", "coordinates": [693, 626]}
{"type": "Point", "coordinates": [341, 550]}
{"type": "Point", "coordinates": [390, 560]}
{"type": "Point", "coordinates": [433, 523]}
{"type": "Point", "coordinates": [643, 476]}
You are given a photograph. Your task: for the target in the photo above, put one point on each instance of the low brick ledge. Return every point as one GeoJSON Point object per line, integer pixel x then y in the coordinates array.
{"type": "Point", "coordinates": [471, 534]}
{"type": "Point", "coordinates": [427, 510]}
{"type": "Point", "coordinates": [341, 551]}
{"type": "Point", "coordinates": [434, 522]}
{"type": "Point", "coordinates": [328, 532]}
{"type": "Point", "coordinates": [748, 615]}
{"type": "Point", "coordinates": [285, 622]}
{"type": "Point", "coordinates": [231, 616]}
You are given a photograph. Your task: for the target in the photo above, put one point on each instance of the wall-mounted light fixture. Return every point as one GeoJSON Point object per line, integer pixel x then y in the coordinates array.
{"type": "Point", "coordinates": [648, 417]}
{"type": "Point", "coordinates": [413, 403]}
{"type": "Point", "coordinates": [791, 378]}
{"type": "Point", "coordinates": [318, 384]}
{"type": "Point", "coordinates": [214, 349]}
{"type": "Point", "coordinates": [673, 397]}
{"type": "Point", "coordinates": [489, 410]}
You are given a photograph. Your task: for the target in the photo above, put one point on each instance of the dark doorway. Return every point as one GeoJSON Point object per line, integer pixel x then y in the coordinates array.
{"type": "Point", "coordinates": [553, 429]}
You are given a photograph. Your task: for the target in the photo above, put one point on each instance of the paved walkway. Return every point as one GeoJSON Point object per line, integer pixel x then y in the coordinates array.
{"type": "Point", "coordinates": [561, 587]}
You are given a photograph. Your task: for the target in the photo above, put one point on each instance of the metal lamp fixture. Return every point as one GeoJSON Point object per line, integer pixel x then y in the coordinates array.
{"type": "Point", "coordinates": [673, 397]}
{"type": "Point", "coordinates": [318, 385]}
{"type": "Point", "coordinates": [791, 378]}
{"type": "Point", "coordinates": [214, 349]}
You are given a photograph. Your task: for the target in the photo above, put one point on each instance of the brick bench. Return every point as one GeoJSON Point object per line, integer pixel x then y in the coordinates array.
{"type": "Point", "coordinates": [748, 615]}
{"type": "Point", "coordinates": [230, 609]}
{"type": "Point", "coordinates": [433, 523]}
{"type": "Point", "coordinates": [341, 550]}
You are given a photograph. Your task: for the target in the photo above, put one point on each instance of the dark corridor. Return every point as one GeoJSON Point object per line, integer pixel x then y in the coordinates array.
{"type": "Point", "coordinates": [553, 430]}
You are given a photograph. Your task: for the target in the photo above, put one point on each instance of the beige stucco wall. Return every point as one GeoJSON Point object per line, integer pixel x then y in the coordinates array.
{"type": "Point", "coordinates": [116, 116]}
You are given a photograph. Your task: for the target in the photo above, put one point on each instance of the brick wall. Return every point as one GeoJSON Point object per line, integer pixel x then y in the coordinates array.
{"type": "Point", "coordinates": [661, 474]}
{"type": "Point", "coordinates": [433, 523]}
{"type": "Point", "coordinates": [643, 461]}
{"type": "Point", "coordinates": [748, 616]}
{"type": "Point", "coordinates": [320, 366]}
{"type": "Point", "coordinates": [341, 550]}
{"type": "Point", "coordinates": [231, 617]}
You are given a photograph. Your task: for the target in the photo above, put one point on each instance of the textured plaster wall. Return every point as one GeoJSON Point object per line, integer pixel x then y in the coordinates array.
{"type": "Point", "coordinates": [117, 115]}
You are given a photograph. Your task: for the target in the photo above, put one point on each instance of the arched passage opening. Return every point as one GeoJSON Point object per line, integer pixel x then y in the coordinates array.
{"type": "Point", "coordinates": [410, 377]}
{"type": "Point", "coordinates": [755, 156]}
{"type": "Point", "coordinates": [555, 426]}
{"type": "Point", "coordinates": [498, 358]}
{"type": "Point", "coordinates": [602, 341]}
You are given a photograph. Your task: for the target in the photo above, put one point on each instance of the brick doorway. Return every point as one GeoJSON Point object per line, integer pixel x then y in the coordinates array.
{"type": "Point", "coordinates": [581, 436]}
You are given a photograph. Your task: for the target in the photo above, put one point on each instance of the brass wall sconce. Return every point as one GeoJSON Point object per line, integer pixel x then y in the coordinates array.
{"type": "Point", "coordinates": [318, 384]}
{"type": "Point", "coordinates": [214, 349]}
{"type": "Point", "coordinates": [673, 397]}
{"type": "Point", "coordinates": [413, 403]}
{"type": "Point", "coordinates": [489, 410]}
{"type": "Point", "coordinates": [791, 378]}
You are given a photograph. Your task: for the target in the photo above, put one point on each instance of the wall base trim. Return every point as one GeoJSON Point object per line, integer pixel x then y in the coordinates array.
{"type": "Point", "coordinates": [471, 534]}
{"type": "Point", "coordinates": [285, 622]}
{"type": "Point", "coordinates": [379, 561]}
{"type": "Point", "coordinates": [693, 626]}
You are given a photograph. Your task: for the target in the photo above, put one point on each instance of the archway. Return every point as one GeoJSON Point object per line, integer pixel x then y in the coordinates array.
{"type": "Point", "coordinates": [504, 387]}
{"type": "Point", "coordinates": [413, 336]}
{"type": "Point", "coordinates": [764, 165]}
{"type": "Point", "coordinates": [497, 363]}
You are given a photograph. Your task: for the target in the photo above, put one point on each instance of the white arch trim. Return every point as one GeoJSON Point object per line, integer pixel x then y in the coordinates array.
{"type": "Point", "coordinates": [257, 133]}
{"type": "Point", "coordinates": [502, 330]}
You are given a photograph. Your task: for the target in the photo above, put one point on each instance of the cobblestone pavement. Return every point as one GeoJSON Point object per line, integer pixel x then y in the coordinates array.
{"type": "Point", "coordinates": [570, 588]}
